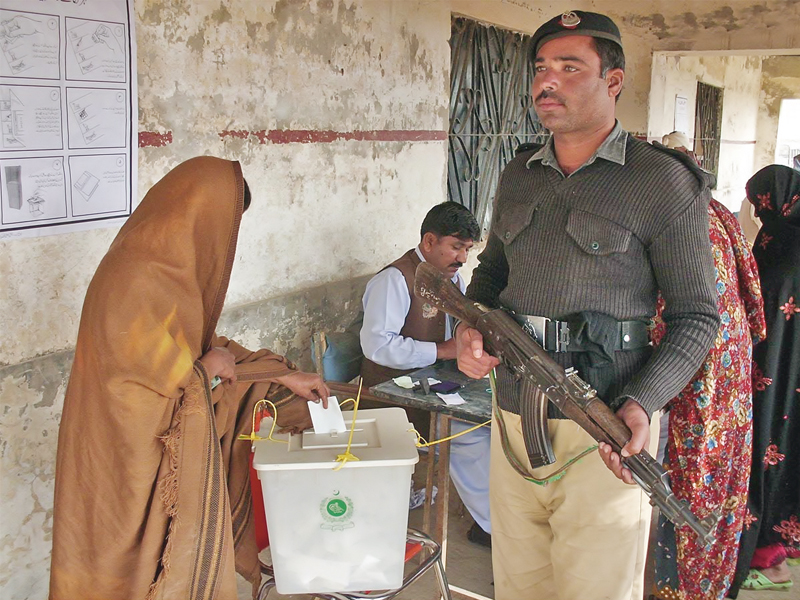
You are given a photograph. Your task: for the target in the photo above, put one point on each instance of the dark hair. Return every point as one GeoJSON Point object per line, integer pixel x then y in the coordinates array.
{"type": "Point", "coordinates": [611, 55]}
{"type": "Point", "coordinates": [247, 196]}
{"type": "Point", "coordinates": [451, 218]}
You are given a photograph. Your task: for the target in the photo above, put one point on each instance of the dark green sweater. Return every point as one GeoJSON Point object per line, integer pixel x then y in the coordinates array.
{"type": "Point", "coordinates": [607, 239]}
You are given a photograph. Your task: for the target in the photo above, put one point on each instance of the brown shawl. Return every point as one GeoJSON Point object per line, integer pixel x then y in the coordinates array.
{"type": "Point", "coordinates": [152, 497]}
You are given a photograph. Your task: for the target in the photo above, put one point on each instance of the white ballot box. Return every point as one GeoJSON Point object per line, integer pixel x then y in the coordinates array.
{"type": "Point", "coordinates": [345, 530]}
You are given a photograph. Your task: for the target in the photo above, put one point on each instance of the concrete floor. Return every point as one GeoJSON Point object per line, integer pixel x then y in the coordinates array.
{"type": "Point", "coordinates": [469, 566]}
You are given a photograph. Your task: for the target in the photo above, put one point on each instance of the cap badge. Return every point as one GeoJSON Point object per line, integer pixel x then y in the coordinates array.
{"type": "Point", "coordinates": [570, 20]}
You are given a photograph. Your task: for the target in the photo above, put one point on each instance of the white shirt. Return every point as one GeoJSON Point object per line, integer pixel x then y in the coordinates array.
{"type": "Point", "coordinates": [386, 305]}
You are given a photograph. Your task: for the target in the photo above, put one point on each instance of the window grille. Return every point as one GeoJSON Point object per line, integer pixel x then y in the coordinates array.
{"type": "Point", "coordinates": [491, 110]}
{"type": "Point", "coordinates": [708, 126]}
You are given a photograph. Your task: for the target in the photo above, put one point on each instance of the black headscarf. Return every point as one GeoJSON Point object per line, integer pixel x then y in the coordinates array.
{"type": "Point", "coordinates": [775, 192]}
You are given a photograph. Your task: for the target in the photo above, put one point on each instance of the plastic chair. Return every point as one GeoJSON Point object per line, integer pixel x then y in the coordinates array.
{"type": "Point", "coordinates": [416, 542]}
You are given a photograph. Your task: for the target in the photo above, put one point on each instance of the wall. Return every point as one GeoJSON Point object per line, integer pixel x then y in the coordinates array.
{"type": "Point", "coordinates": [337, 110]}
{"type": "Point", "coordinates": [731, 26]}
{"type": "Point", "coordinates": [780, 80]}
{"type": "Point", "coordinates": [740, 77]}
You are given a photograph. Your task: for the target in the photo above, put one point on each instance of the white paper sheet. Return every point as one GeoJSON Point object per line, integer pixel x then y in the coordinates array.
{"type": "Point", "coordinates": [329, 419]}
{"type": "Point", "coordinates": [404, 382]}
{"type": "Point", "coordinates": [452, 399]}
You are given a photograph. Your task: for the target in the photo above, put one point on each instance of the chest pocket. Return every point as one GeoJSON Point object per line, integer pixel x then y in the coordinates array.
{"type": "Point", "coordinates": [512, 220]}
{"type": "Point", "coordinates": [596, 235]}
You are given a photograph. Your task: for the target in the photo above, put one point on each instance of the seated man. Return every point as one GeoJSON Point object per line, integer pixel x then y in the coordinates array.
{"type": "Point", "coordinates": [402, 333]}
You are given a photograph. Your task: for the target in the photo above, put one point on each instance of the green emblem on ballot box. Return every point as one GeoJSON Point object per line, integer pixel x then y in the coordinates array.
{"type": "Point", "coordinates": [336, 512]}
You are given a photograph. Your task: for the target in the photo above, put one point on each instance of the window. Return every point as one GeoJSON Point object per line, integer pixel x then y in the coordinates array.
{"type": "Point", "coordinates": [491, 110]}
{"type": "Point", "coordinates": [708, 126]}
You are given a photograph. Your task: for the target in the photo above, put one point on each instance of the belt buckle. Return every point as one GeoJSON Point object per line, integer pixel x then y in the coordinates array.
{"type": "Point", "coordinates": [553, 338]}
{"type": "Point", "coordinates": [562, 336]}
{"type": "Point", "coordinates": [537, 334]}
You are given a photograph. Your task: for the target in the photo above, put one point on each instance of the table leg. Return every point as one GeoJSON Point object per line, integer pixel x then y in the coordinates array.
{"type": "Point", "coordinates": [443, 483]}
{"type": "Point", "coordinates": [430, 468]}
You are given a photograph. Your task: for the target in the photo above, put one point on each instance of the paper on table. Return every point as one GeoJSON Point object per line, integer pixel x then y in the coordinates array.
{"type": "Point", "coordinates": [327, 420]}
{"type": "Point", "coordinates": [404, 382]}
{"type": "Point", "coordinates": [452, 399]}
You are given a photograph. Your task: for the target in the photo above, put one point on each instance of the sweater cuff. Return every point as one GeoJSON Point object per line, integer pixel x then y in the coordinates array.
{"type": "Point", "coordinates": [617, 403]}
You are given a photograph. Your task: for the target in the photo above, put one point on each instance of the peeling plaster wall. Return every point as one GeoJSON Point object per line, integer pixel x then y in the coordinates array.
{"type": "Point", "coordinates": [337, 110]}
{"type": "Point", "coordinates": [215, 75]}
{"type": "Point", "coordinates": [780, 80]}
{"type": "Point", "coordinates": [31, 397]}
{"type": "Point", "coordinates": [740, 78]}
{"type": "Point", "coordinates": [659, 25]}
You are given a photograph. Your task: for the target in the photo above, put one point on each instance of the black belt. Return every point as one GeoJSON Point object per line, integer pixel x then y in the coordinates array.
{"type": "Point", "coordinates": [553, 335]}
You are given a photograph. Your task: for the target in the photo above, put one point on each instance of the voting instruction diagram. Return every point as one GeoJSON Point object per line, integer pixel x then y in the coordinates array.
{"type": "Point", "coordinates": [67, 114]}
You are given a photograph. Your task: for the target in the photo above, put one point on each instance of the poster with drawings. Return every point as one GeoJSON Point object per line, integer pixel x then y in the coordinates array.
{"type": "Point", "coordinates": [33, 190]}
{"type": "Point", "coordinates": [98, 184]}
{"type": "Point", "coordinates": [30, 117]}
{"type": "Point", "coordinates": [67, 115]}
{"type": "Point", "coordinates": [96, 118]}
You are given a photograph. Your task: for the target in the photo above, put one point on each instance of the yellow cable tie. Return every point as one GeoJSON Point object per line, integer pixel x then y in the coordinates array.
{"type": "Point", "coordinates": [421, 443]}
{"type": "Point", "coordinates": [253, 437]}
{"type": "Point", "coordinates": [347, 456]}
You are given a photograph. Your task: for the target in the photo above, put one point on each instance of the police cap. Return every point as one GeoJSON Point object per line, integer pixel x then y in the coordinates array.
{"type": "Point", "coordinates": [576, 22]}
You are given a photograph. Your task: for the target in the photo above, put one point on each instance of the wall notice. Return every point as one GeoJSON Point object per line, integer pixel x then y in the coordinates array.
{"type": "Point", "coordinates": [67, 115]}
{"type": "Point", "coordinates": [681, 114]}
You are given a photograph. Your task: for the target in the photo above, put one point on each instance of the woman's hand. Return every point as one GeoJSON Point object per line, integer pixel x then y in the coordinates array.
{"type": "Point", "coordinates": [293, 417]}
{"type": "Point", "coordinates": [219, 362]}
{"type": "Point", "coordinates": [306, 385]}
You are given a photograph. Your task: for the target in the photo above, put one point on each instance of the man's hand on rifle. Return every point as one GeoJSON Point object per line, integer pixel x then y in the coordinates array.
{"type": "Point", "coordinates": [473, 360]}
{"type": "Point", "coordinates": [635, 417]}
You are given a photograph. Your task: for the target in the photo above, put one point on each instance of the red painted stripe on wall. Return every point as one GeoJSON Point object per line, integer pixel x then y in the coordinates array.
{"type": "Point", "coordinates": [316, 136]}
{"type": "Point", "coordinates": [154, 139]}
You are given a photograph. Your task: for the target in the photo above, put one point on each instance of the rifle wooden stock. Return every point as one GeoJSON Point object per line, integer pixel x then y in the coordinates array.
{"type": "Point", "coordinates": [496, 327]}
{"type": "Point", "coordinates": [504, 338]}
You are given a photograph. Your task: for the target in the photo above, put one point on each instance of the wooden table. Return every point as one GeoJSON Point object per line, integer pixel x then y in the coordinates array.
{"type": "Point", "coordinates": [476, 409]}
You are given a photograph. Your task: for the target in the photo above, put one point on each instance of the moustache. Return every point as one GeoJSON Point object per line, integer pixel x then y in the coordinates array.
{"type": "Point", "coordinates": [553, 95]}
{"type": "Point", "coordinates": [457, 265]}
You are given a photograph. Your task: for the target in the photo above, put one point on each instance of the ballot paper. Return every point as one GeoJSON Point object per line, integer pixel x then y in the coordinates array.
{"type": "Point", "coordinates": [404, 382]}
{"type": "Point", "coordinates": [452, 399]}
{"type": "Point", "coordinates": [407, 383]}
{"type": "Point", "coordinates": [327, 420]}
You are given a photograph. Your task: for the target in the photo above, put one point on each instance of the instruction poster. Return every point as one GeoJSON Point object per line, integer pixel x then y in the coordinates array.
{"type": "Point", "coordinates": [67, 115]}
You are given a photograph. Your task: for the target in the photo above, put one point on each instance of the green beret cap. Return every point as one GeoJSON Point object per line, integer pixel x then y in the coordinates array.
{"type": "Point", "coordinates": [576, 22]}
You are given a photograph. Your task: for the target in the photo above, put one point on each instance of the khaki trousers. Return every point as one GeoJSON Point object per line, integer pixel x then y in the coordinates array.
{"type": "Point", "coordinates": [582, 537]}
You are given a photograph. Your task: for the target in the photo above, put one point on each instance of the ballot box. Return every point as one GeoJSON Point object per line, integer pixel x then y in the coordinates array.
{"type": "Point", "coordinates": [338, 530]}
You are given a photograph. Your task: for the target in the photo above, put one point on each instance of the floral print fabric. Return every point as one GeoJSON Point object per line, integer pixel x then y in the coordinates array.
{"type": "Point", "coordinates": [710, 427]}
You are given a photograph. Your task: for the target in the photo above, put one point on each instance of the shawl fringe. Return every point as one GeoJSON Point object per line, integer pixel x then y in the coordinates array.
{"type": "Point", "coordinates": [169, 485]}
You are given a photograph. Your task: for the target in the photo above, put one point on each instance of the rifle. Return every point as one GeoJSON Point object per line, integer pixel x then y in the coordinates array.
{"type": "Point", "coordinates": [504, 338]}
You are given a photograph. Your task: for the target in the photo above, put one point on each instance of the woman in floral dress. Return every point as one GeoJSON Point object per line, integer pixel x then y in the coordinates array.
{"type": "Point", "coordinates": [772, 531]}
{"type": "Point", "coordinates": [708, 449]}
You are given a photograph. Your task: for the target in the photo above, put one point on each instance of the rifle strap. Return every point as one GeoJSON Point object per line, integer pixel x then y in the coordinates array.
{"type": "Point", "coordinates": [509, 452]}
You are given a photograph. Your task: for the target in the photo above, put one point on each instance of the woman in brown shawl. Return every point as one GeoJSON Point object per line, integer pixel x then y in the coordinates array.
{"type": "Point", "coordinates": [152, 497]}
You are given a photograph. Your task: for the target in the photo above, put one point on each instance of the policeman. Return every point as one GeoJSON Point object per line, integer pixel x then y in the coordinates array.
{"type": "Point", "coordinates": [586, 229]}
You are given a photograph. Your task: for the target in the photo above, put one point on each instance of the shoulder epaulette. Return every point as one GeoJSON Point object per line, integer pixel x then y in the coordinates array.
{"type": "Point", "coordinates": [526, 147]}
{"type": "Point", "coordinates": [704, 176]}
